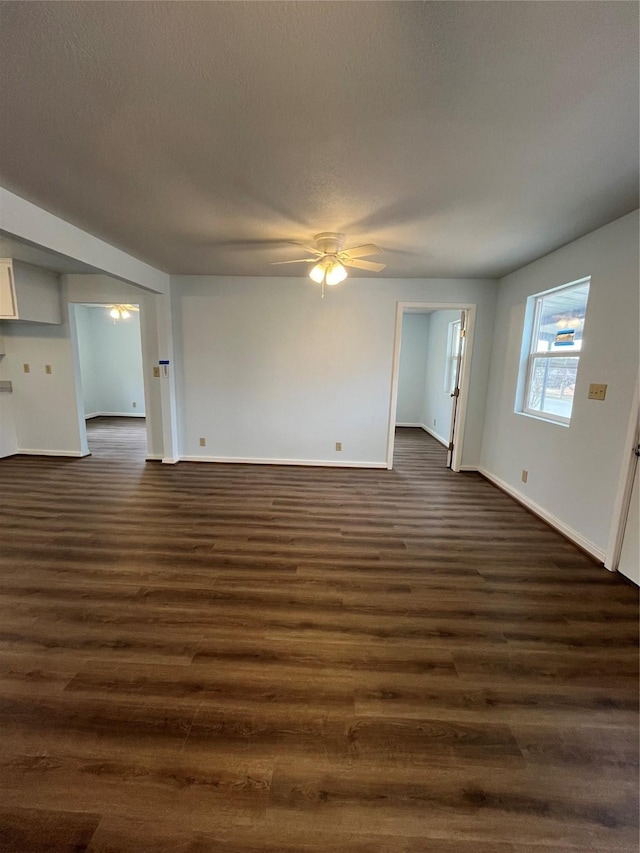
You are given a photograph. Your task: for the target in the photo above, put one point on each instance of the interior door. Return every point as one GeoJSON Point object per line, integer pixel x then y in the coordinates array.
{"type": "Point", "coordinates": [629, 563]}
{"type": "Point", "coordinates": [456, 389]}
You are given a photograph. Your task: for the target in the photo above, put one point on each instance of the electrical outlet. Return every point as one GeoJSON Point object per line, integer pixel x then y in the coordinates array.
{"type": "Point", "coordinates": [156, 372]}
{"type": "Point", "coordinates": [525, 476]}
{"type": "Point", "coordinates": [338, 445]}
{"type": "Point", "coordinates": [434, 421]}
{"type": "Point", "coordinates": [597, 392]}
{"type": "Point", "coordinates": [26, 368]}
{"type": "Point", "coordinates": [203, 442]}
{"type": "Point", "coordinates": [47, 369]}
{"type": "Point", "coordinates": [134, 405]}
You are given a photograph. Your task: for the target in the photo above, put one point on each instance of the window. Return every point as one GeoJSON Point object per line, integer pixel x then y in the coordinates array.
{"type": "Point", "coordinates": [554, 351]}
{"type": "Point", "coordinates": [453, 356]}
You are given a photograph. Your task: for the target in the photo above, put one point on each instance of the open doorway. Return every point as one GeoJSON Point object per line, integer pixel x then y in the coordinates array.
{"type": "Point", "coordinates": [111, 379]}
{"type": "Point", "coordinates": [430, 377]}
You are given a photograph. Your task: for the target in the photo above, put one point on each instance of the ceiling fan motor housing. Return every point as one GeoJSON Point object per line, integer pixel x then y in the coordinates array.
{"type": "Point", "coordinates": [329, 242]}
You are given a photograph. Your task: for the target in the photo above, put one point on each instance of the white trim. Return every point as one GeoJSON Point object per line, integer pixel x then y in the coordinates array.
{"type": "Point", "coordinates": [324, 463]}
{"type": "Point", "coordinates": [153, 457]}
{"type": "Point", "coordinates": [469, 468]}
{"type": "Point", "coordinates": [170, 460]}
{"type": "Point", "coordinates": [432, 433]}
{"type": "Point", "coordinates": [545, 515]}
{"type": "Point", "coordinates": [30, 452]}
{"type": "Point", "coordinates": [465, 374]}
{"type": "Point", "coordinates": [115, 415]}
{"type": "Point", "coordinates": [625, 485]}
{"type": "Point", "coordinates": [437, 437]}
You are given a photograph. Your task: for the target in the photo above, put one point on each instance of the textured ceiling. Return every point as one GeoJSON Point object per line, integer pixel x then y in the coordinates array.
{"type": "Point", "coordinates": [39, 257]}
{"type": "Point", "coordinates": [464, 138]}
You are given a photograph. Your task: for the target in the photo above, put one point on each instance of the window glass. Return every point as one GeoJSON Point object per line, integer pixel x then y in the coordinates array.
{"type": "Point", "coordinates": [453, 356]}
{"type": "Point", "coordinates": [556, 342]}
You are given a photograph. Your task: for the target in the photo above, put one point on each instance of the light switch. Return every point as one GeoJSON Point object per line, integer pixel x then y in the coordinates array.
{"type": "Point", "coordinates": [26, 368]}
{"type": "Point", "coordinates": [156, 372]}
{"type": "Point", "coordinates": [47, 369]}
{"type": "Point", "coordinates": [597, 392]}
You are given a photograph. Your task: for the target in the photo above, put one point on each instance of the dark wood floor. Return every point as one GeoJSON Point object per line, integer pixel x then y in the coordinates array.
{"type": "Point", "coordinates": [252, 658]}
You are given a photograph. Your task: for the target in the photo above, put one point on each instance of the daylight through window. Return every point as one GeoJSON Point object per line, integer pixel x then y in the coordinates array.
{"type": "Point", "coordinates": [554, 352]}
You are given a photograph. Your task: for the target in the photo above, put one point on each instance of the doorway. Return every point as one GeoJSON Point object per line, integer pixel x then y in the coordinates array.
{"type": "Point", "coordinates": [111, 381]}
{"type": "Point", "coordinates": [431, 368]}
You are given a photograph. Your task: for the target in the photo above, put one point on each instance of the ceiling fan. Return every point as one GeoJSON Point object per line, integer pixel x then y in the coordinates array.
{"type": "Point", "coordinates": [331, 260]}
{"type": "Point", "coordinates": [120, 311]}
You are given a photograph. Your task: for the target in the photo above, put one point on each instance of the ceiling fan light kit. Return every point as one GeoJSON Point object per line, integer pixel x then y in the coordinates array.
{"type": "Point", "coordinates": [121, 312]}
{"type": "Point", "coordinates": [331, 260]}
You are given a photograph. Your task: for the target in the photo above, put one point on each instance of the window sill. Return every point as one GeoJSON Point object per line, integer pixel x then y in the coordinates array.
{"type": "Point", "coordinates": [542, 419]}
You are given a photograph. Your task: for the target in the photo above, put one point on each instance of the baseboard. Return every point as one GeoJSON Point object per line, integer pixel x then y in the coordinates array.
{"type": "Point", "coordinates": [154, 457]}
{"type": "Point", "coordinates": [432, 433]}
{"type": "Point", "coordinates": [469, 468]}
{"type": "Point", "coordinates": [577, 538]}
{"type": "Point", "coordinates": [323, 463]}
{"type": "Point", "coordinates": [170, 460]}
{"type": "Point", "coordinates": [30, 452]}
{"type": "Point", "coordinates": [115, 415]}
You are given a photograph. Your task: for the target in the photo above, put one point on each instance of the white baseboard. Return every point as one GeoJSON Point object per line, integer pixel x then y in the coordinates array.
{"type": "Point", "coordinates": [170, 460]}
{"type": "Point", "coordinates": [115, 415]}
{"type": "Point", "coordinates": [469, 468]}
{"type": "Point", "coordinates": [434, 434]}
{"type": "Point", "coordinates": [30, 452]}
{"type": "Point", "coordinates": [580, 540]}
{"type": "Point", "coordinates": [323, 463]}
{"type": "Point", "coordinates": [154, 457]}
{"type": "Point", "coordinates": [431, 432]}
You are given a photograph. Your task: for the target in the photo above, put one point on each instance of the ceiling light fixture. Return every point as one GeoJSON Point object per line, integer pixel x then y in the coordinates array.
{"type": "Point", "coordinates": [329, 270]}
{"type": "Point", "coordinates": [121, 312]}
{"type": "Point", "coordinates": [330, 260]}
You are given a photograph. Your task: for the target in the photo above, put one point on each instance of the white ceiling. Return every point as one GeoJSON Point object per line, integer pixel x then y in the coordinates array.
{"type": "Point", "coordinates": [466, 138]}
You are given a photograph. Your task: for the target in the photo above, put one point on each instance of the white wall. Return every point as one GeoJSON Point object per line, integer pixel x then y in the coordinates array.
{"type": "Point", "coordinates": [573, 471]}
{"type": "Point", "coordinates": [269, 370]}
{"type": "Point", "coordinates": [8, 438]}
{"type": "Point", "coordinates": [436, 412]}
{"type": "Point", "coordinates": [44, 408]}
{"type": "Point", "coordinates": [110, 362]}
{"type": "Point", "coordinates": [411, 371]}
{"type": "Point", "coordinates": [43, 405]}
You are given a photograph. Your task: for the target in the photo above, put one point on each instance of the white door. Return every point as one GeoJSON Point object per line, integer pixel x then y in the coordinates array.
{"type": "Point", "coordinates": [629, 563]}
{"type": "Point", "coordinates": [458, 354]}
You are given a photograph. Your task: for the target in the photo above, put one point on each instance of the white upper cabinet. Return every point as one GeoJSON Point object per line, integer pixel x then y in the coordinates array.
{"type": "Point", "coordinates": [28, 293]}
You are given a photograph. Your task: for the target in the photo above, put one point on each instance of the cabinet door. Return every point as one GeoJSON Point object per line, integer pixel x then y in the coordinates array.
{"type": "Point", "coordinates": [8, 305]}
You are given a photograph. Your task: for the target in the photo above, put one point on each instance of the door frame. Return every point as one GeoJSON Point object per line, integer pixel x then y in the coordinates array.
{"type": "Point", "coordinates": [625, 484]}
{"type": "Point", "coordinates": [77, 371]}
{"type": "Point", "coordinates": [465, 373]}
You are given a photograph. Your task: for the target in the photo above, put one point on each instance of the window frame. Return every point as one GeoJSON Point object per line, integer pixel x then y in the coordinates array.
{"type": "Point", "coordinates": [453, 357]}
{"type": "Point", "coordinates": [533, 354]}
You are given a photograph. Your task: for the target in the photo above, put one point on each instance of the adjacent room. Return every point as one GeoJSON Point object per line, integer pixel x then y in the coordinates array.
{"type": "Point", "coordinates": [319, 364]}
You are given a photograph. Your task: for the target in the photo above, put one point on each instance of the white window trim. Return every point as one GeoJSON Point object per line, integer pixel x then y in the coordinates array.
{"type": "Point", "coordinates": [451, 363]}
{"type": "Point", "coordinates": [532, 355]}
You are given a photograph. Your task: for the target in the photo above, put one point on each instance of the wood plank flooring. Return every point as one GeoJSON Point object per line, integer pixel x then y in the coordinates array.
{"type": "Point", "coordinates": [261, 659]}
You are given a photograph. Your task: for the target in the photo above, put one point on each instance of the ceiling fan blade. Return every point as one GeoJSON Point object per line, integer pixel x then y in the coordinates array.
{"type": "Point", "coordinates": [363, 251]}
{"type": "Point", "coordinates": [131, 307]}
{"type": "Point", "coordinates": [298, 261]}
{"type": "Point", "coordinates": [306, 246]}
{"type": "Point", "coordinates": [363, 265]}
